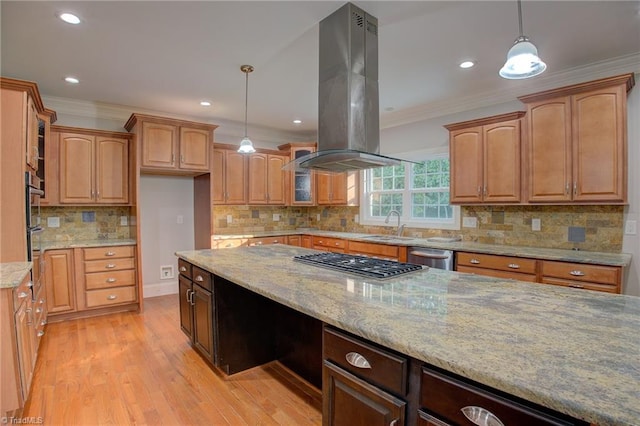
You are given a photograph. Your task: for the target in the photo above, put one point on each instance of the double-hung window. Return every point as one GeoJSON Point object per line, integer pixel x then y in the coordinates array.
{"type": "Point", "coordinates": [419, 192]}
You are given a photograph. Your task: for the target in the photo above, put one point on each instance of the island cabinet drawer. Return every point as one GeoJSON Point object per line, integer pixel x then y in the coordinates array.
{"type": "Point", "coordinates": [374, 250]}
{"type": "Point", "coordinates": [329, 244]}
{"type": "Point", "coordinates": [184, 268]}
{"type": "Point", "coordinates": [456, 402]}
{"type": "Point", "coordinates": [109, 265]}
{"type": "Point", "coordinates": [375, 365]}
{"type": "Point", "coordinates": [201, 277]}
{"type": "Point", "coordinates": [108, 252]}
{"type": "Point", "coordinates": [501, 263]}
{"type": "Point", "coordinates": [110, 279]}
{"type": "Point", "coordinates": [110, 296]}
{"type": "Point", "coordinates": [581, 272]}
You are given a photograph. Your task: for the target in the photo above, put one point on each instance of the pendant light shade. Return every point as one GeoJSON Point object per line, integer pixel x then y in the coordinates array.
{"type": "Point", "coordinates": [522, 59]}
{"type": "Point", "coordinates": [246, 146]}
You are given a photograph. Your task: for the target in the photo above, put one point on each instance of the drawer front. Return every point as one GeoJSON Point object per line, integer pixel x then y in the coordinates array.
{"type": "Point", "coordinates": [202, 278]}
{"type": "Point", "coordinates": [329, 242]}
{"type": "Point", "coordinates": [582, 284]}
{"type": "Point", "coordinates": [379, 250]}
{"type": "Point", "coordinates": [445, 397]}
{"type": "Point", "coordinates": [497, 273]}
{"type": "Point", "coordinates": [581, 272]}
{"type": "Point", "coordinates": [109, 265]}
{"type": "Point", "coordinates": [385, 369]}
{"type": "Point", "coordinates": [267, 241]}
{"type": "Point", "coordinates": [22, 292]}
{"type": "Point", "coordinates": [110, 279]}
{"type": "Point", "coordinates": [503, 263]}
{"type": "Point", "coordinates": [184, 268]}
{"type": "Point", "coordinates": [109, 252]}
{"type": "Point", "coordinates": [110, 296]}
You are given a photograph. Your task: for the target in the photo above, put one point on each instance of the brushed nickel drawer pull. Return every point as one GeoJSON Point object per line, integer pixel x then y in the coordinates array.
{"type": "Point", "coordinates": [22, 295]}
{"type": "Point", "coordinates": [110, 266]}
{"type": "Point", "coordinates": [357, 360]}
{"type": "Point", "coordinates": [513, 266]}
{"type": "Point", "coordinates": [394, 422]}
{"type": "Point", "coordinates": [40, 333]}
{"type": "Point", "coordinates": [110, 253]}
{"type": "Point", "coordinates": [112, 297]}
{"type": "Point", "coordinates": [474, 261]}
{"type": "Point", "coordinates": [183, 269]}
{"type": "Point", "coordinates": [38, 310]}
{"type": "Point", "coordinates": [111, 280]}
{"type": "Point", "coordinates": [481, 416]}
{"type": "Point", "coordinates": [577, 273]}
{"type": "Point", "coordinates": [199, 278]}
{"type": "Point", "coordinates": [43, 322]}
{"type": "Point", "coordinates": [576, 286]}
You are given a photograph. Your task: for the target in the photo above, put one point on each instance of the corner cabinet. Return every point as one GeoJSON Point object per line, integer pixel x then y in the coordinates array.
{"type": "Point", "coordinates": [172, 146]}
{"type": "Point", "coordinates": [485, 160]}
{"type": "Point", "coordinates": [93, 166]}
{"type": "Point", "coordinates": [577, 142]}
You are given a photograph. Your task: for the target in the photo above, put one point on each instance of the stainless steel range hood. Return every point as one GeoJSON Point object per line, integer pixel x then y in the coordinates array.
{"type": "Point", "coordinates": [348, 111]}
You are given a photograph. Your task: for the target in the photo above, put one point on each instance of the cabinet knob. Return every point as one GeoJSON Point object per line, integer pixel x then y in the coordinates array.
{"type": "Point", "coordinates": [112, 297]}
{"type": "Point", "coordinates": [183, 269]}
{"type": "Point", "coordinates": [111, 280]}
{"type": "Point", "coordinates": [40, 333]}
{"type": "Point", "coordinates": [22, 295]}
{"type": "Point", "coordinates": [480, 416]}
{"type": "Point", "coordinates": [513, 266]}
{"type": "Point", "coordinates": [474, 261]}
{"type": "Point", "coordinates": [577, 273]}
{"type": "Point", "coordinates": [43, 322]}
{"type": "Point", "coordinates": [199, 278]}
{"type": "Point", "coordinates": [357, 360]}
{"type": "Point", "coordinates": [110, 266]}
{"type": "Point", "coordinates": [110, 253]}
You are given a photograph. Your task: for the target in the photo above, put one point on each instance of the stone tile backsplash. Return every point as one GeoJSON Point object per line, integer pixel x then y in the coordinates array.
{"type": "Point", "coordinates": [85, 223]}
{"type": "Point", "coordinates": [507, 225]}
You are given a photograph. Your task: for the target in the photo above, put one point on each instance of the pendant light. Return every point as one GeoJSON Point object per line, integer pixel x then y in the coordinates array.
{"type": "Point", "coordinates": [522, 59]}
{"type": "Point", "coordinates": [246, 146]}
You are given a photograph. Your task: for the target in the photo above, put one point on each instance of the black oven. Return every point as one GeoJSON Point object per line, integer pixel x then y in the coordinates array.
{"type": "Point", "coordinates": [32, 198]}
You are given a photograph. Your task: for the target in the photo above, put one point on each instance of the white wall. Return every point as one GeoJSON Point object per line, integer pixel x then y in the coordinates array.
{"type": "Point", "coordinates": [162, 200]}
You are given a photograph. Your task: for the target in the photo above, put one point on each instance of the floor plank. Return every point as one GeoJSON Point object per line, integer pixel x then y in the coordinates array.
{"type": "Point", "coordinates": [130, 368]}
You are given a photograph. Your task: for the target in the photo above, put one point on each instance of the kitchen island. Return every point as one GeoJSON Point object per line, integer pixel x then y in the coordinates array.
{"type": "Point", "coordinates": [575, 352]}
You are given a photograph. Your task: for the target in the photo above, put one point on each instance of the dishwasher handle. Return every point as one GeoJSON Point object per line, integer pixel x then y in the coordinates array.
{"type": "Point", "coordinates": [430, 255]}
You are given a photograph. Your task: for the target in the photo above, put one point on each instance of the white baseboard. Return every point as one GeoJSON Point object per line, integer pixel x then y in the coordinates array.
{"type": "Point", "coordinates": [160, 288]}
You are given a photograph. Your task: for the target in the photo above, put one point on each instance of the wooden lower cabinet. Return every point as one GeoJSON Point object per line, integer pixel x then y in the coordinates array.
{"type": "Point", "coordinates": [196, 308]}
{"type": "Point", "coordinates": [497, 266]}
{"type": "Point", "coordinates": [382, 251]}
{"type": "Point", "coordinates": [294, 240]}
{"type": "Point", "coordinates": [335, 245]}
{"type": "Point", "coordinates": [60, 281]}
{"type": "Point", "coordinates": [306, 241]}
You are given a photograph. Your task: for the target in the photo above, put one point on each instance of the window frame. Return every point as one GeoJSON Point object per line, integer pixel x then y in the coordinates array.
{"type": "Point", "coordinates": [366, 219]}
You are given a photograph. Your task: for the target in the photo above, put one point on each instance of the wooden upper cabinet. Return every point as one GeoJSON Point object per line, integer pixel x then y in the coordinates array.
{"type": "Point", "coordinates": [266, 179]}
{"type": "Point", "coordinates": [171, 146]}
{"type": "Point", "coordinates": [301, 184]}
{"type": "Point", "coordinates": [338, 189]}
{"type": "Point", "coordinates": [229, 177]}
{"type": "Point", "coordinates": [577, 142]}
{"type": "Point", "coordinates": [93, 166]}
{"type": "Point", "coordinates": [485, 159]}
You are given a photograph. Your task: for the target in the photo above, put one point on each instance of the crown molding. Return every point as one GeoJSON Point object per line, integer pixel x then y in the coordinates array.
{"type": "Point", "coordinates": [620, 65]}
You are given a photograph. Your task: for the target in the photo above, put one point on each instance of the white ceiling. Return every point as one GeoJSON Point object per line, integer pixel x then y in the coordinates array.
{"type": "Point", "coordinates": [167, 56]}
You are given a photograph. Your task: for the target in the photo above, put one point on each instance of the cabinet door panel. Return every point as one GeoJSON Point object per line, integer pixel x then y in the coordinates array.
{"type": "Point", "coordinates": [235, 177]}
{"type": "Point", "coordinates": [76, 168]}
{"type": "Point", "coordinates": [502, 162]}
{"type": "Point", "coordinates": [258, 178]}
{"type": "Point", "coordinates": [549, 150]}
{"type": "Point", "coordinates": [184, 292]}
{"type": "Point", "coordinates": [275, 179]}
{"type": "Point", "coordinates": [465, 150]}
{"type": "Point", "coordinates": [203, 321]}
{"type": "Point", "coordinates": [339, 188]}
{"type": "Point", "coordinates": [194, 149]}
{"type": "Point", "coordinates": [217, 177]}
{"type": "Point", "coordinates": [159, 143]}
{"type": "Point", "coordinates": [599, 144]}
{"type": "Point", "coordinates": [59, 281]}
{"type": "Point", "coordinates": [323, 191]}
{"type": "Point", "coordinates": [112, 170]}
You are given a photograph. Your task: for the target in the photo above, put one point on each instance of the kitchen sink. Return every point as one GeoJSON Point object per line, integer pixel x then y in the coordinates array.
{"type": "Point", "coordinates": [386, 237]}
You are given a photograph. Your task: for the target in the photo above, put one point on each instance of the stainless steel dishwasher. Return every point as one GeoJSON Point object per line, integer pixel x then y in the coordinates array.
{"type": "Point", "coordinates": [433, 258]}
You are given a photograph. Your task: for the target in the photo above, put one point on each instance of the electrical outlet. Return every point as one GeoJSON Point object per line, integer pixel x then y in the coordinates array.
{"type": "Point", "coordinates": [180, 219]}
{"type": "Point", "coordinates": [356, 218]}
{"type": "Point", "coordinates": [229, 218]}
{"type": "Point", "coordinates": [166, 272]}
{"type": "Point", "coordinates": [124, 220]}
{"type": "Point", "coordinates": [318, 217]}
{"type": "Point", "coordinates": [53, 222]}
{"type": "Point", "coordinates": [470, 222]}
{"type": "Point", "coordinates": [630, 227]}
{"type": "Point", "coordinates": [535, 224]}
{"type": "Point", "coordinates": [276, 217]}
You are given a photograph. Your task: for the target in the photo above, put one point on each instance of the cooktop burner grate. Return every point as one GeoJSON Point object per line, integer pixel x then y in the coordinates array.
{"type": "Point", "coordinates": [361, 265]}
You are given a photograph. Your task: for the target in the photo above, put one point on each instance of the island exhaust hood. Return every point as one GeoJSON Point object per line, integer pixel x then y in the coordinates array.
{"type": "Point", "coordinates": [348, 111]}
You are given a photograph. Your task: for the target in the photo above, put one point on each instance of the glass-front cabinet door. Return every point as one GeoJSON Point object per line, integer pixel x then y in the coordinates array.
{"type": "Point", "coordinates": [302, 183]}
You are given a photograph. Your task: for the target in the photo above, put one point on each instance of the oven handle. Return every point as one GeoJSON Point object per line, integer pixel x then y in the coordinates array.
{"type": "Point", "coordinates": [429, 255]}
{"type": "Point", "coordinates": [36, 229]}
{"type": "Point", "coordinates": [35, 191]}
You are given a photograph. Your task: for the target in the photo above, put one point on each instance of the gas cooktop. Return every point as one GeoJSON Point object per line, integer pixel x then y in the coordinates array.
{"type": "Point", "coordinates": [360, 265]}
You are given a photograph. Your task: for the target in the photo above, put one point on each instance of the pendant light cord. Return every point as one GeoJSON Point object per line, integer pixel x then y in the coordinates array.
{"type": "Point", "coordinates": [520, 18]}
{"type": "Point", "coordinates": [246, 101]}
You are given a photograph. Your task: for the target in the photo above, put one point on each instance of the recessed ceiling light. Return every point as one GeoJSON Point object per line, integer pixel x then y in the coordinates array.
{"type": "Point", "coordinates": [296, 121]}
{"type": "Point", "coordinates": [71, 80]}
{"type": "Point", "coordinates": [205, 103]}
{"type": "Point", "coordinates": [69, 18]}
{"type": "Point", "coordinates": [466, 64]}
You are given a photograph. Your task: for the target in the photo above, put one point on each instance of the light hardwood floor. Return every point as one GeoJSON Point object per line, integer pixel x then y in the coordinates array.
{"type": "Point", "coordinates": [140, 369]}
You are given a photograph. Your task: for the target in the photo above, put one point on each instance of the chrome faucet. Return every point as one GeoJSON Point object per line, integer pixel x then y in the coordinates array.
{"type": "Point", "coordinates": [400, 227]}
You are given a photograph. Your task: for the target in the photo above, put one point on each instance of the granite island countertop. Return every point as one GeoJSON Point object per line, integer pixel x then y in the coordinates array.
{"type": "Point", "coordinates": [577, 352]}
{"type": "Point", "coordinates": [577, 256]}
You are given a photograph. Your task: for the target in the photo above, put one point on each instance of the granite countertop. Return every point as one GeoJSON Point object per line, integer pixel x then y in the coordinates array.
{"type": "Point", "coordinates": [576, 352]}
{"type": "Point", "coordinates": [12, 273]}
{"type": "Point", "coordinates": [597, 258]}
{"type": "Point", "coordinates": [52, 245]}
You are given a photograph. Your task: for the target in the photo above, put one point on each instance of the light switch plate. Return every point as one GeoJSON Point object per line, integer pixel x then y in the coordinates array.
{"type": "Point", "coordinates": [276, 217]}
{"type": "Point", "coordinates": [630, 227]}
{"type": "Point", "coordinates": [535, 224]}
{"type": "Point", "coordinates": [124, 220]}
{"type": "Point", "coordinates": [470, 222]}
{"type": "Point", "coordinates": [229, 218]}
{"type": "Point", "coordinates": [53, 222]}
